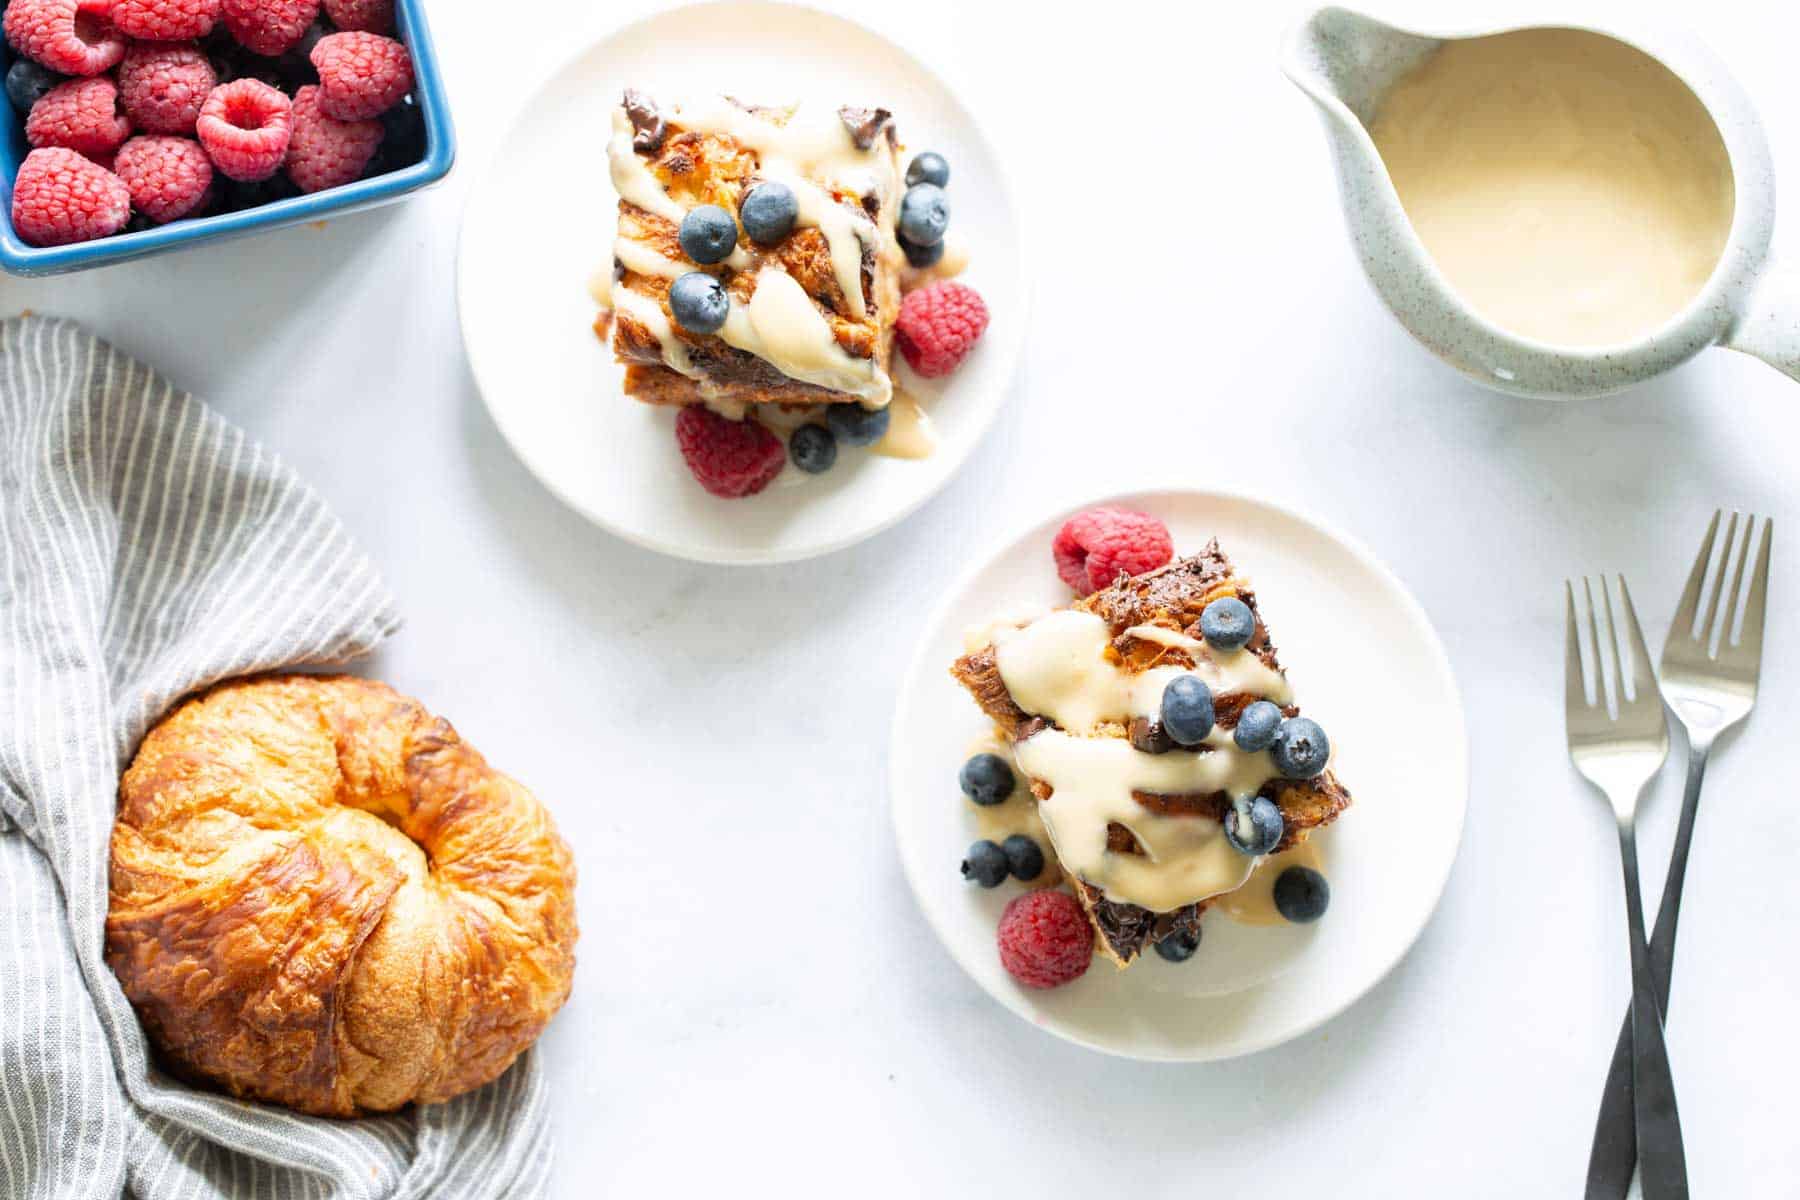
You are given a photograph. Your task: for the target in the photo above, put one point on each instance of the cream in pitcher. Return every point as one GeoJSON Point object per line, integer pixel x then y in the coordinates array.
{"type": "Point", "coordinates": [1569, 187]}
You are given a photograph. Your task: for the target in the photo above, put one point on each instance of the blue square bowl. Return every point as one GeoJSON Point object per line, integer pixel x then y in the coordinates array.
{"type": "Point", "coordinates": [440, 153]}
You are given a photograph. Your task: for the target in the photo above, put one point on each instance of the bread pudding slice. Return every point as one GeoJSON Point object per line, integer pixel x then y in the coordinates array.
{"type": "Point", "coordinates": [1151, 623]}
{"type": "Point", "coordinates": [812, 309]}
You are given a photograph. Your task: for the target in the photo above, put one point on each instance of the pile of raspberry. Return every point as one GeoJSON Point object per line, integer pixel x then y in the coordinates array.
{"type": "Point", "coordinates": [141, 112]}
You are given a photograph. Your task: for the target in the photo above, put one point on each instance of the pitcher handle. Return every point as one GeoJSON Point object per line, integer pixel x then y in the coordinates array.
{"type": "Point", "coordinates": [1770, 325]}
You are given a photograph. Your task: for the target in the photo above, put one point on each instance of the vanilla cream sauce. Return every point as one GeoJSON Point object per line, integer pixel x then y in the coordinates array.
{"type": "Point", "coordinates": [780, 325]}
{"type": "Point", "coordinates": [910, 433]}
{"type": "Point", "coordinates": [1569, 187]}
{"type": "Point", "coordinates": [1056, 667]}
{"type": "Point", "coordinates": [1254, 903]}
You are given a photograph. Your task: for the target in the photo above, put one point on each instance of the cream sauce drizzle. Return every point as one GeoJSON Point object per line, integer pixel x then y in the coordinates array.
{"type": "Point", "coordinates": [812, 144]}
{"type": "Point", "coordinates": [780, 324]}
{"type": "Point", "coordinates": [1186, 858]}
{"type": "Point", "coordinates": [649, 313]}
{"type": "Point", "coordinates": [1254, 903]}
{"type": "Point", "coordinates": [910, 433]}
{"type": "Point", "coordinates": [1056, 667]}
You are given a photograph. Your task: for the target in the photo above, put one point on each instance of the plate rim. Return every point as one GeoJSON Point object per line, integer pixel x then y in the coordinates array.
{"type": "Point", "coordinates": [1009, 368]}
{"type": "Point", "coordinates": [1016, 1001]}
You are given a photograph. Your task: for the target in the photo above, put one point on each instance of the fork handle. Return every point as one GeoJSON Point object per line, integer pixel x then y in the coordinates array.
{"type": "Point", "coordinates": [1614, 1152]}
{"type": "Point", "coordinates": [1652, 1085]}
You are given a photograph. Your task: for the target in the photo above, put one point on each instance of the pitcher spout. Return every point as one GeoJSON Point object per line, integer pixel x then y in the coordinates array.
{"type": "Point", "coordinates": [1345, 62]}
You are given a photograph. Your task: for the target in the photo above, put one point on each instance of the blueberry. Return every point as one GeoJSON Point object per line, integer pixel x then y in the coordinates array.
{"type": "Point", "coordinates": [1301, 748]}
{"type": "Point", "coordinates": [708, 234]}
{"type": "Point", "coordinates": [1302, 895]}
{"type": "Point", "coordinates": [1227, 623]}
{"type": "Point", "coordinates": [924, 214]}
{"type": "Point", "coordinates": [26, 82]}
{"type": "Point", "coordinates": [1266, 827]}
{"type": "Point", "coordinates": [1187, 710]}
{"type": "Point", "coordinates": [928, 167]}
{"type": "Point", "coordinates": [813, 448]}
{"type": "Point", "coordinates": [922, 257]}
{"type": "Point", "coordinates": [139, 223]}
{"type": "Point", "coordinates": [985, 864]}
{"type": "Point", "coordinates": [768, 212]}
{"type": "Point", "coordinates": [699, 302]}
{"type": "Point", "coordinates": [1024, 857]}
{"type": "Point", "coordinates": [1178, 945]}
{"type": "Point", "coordinates": [986, 779]}
{"type": "Point", "coordinates": [1256, 726]}
{"type": "Point", "coordinates": [856, 425]}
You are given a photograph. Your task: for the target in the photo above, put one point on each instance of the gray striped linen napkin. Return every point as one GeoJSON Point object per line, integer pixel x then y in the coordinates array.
{"type": "Point", "coordinates": [148, 548]}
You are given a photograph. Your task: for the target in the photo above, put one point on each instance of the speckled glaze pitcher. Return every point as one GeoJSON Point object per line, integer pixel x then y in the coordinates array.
{"type": "Point", "coordinates": [1346, 62]}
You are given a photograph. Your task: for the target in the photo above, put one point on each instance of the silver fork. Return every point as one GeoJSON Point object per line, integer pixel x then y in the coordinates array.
{"type": "Point", "coordinates": [1710, 691]}
{"type": "Point", "coordinates": [1619, 740]}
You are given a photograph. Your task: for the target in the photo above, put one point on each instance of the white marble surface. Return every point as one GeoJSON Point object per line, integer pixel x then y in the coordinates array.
{"type": "Point", "coordinates": [758, 1000]}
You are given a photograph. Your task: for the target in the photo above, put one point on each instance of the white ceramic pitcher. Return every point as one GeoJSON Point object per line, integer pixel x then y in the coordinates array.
{"type": "Point", "coordinates": [1346, 61]}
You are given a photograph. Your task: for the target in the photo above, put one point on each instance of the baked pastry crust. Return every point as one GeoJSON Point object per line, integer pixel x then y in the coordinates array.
{"type": "Point", "coordinates": [322, 897]}
{"type": "Point", "coordinates": [1171, 597]}
{"type": "Point", "coordinates": [695, 167]}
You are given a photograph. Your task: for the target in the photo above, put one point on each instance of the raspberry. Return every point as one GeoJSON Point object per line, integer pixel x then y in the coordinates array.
{"type": "Point", "coordinates": [268, 27]}
{"type": "Point", "coordinates": [1045, 939]}
{"type": "Point", "coordinates": [60, 197]}
{"type": "Point", "coordinates": [245, 126]}
{"type": "Point", "coordinates": [939, 325]}
{"type": "Point", "coordinates": [163, 86]}
{"type": "Point", "coordinates": [165, 20]}
{"type": "Point", "coordinates": [1095, 547]}
{"type": "Point", "coordinates": [326, 153]}
{"type": "Point", "coordinates": [373, 16]}
{"type": "Point", "coordinates": [168, 177]}
{"type": "Point", "coordinates": [729, 458]}
{"type": "Point", "coordinates": [361, 75]}
{"type": "Point", "coordinates": [82, 114]}
{"type": "Point", "coordinates": [70, 36]}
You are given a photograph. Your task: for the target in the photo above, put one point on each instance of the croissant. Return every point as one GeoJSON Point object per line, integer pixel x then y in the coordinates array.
{"type": "Point", "coordinates": [322, 897]}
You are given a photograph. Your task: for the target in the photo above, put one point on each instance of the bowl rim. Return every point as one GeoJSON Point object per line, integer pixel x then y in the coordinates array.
{"type": "Point", "coordinates": [19, 258]}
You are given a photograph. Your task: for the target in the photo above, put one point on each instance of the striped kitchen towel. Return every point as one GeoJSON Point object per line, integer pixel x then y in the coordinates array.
{"type": "Point", "coordinates": [148, 548]}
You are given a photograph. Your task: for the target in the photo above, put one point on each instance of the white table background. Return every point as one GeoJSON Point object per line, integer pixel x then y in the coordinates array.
{"type": "Point", "coordinates": [758, 999]}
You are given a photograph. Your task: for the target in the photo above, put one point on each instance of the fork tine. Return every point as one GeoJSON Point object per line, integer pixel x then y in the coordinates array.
{"type": "Point", "coordinates": [1643, 684]}
{"type": "Point", "coordinates": [1747, 654]}
{"type": "Point", "coordinates": [1689, 608]}
{"type": "Point", "coordinates": [1612, 643]}
{"type": "Point", "coordinates": [1587, 587]}
{"type": "Point", "coordinates": [1574, 681]}
{"type": "Point", "coordinates": [1718, 588]}
{"type": "Point", "coordinates": [1737, 582]}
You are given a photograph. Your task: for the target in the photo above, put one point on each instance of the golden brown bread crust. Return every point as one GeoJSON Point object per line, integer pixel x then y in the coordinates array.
{"type": "Point", "coordinates": [1172, 597]}
{"type": "Point", "coordinates": [322, 897]}
{"type": "Point", "coordinates": [709, 168]}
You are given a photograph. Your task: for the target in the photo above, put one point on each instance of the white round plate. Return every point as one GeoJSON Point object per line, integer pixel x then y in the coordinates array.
{"type": "Point", "coordinates": [528, 253]}
{"type": "Point", "coordinates": [1360, 653]}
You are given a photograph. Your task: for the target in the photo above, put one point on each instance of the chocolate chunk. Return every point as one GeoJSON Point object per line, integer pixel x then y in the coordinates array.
{"type": "Point", "coordinates": [646, 121]}
{"type": "Point", "coordinates": [863, 123]}
{"type": "Point", "coordinates": [1149, 736]}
